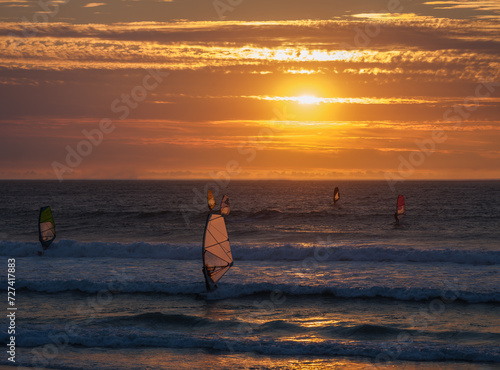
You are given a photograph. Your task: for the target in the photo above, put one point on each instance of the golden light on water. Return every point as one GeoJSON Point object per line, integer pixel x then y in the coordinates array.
{"type": "Point", "coordinates": [316, 322]}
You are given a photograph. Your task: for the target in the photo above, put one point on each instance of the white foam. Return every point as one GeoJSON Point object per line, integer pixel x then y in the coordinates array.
{"type": "Point", "coordinates": [269, 252]}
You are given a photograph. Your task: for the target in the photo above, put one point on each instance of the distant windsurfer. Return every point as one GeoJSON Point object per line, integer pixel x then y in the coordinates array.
{"type": "Point", "coordinates": [400, 208]}
{"type": "Point", "coordinates": [336, 195]}
{"type": "Point", "coordinates": [46, 228]}
{"type": "Point", "coordinates": [397, 218]}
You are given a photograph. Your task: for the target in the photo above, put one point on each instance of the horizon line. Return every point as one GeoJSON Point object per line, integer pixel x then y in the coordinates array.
{"type": "Point", "coordinates": [231, 180]}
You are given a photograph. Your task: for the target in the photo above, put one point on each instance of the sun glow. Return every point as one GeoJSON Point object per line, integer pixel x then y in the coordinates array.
{"type": "Point", "coordinates": [308, 99]}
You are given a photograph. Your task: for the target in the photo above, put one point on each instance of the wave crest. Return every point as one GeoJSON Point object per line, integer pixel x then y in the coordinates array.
{"type": "Point", "coordinates": [269, 252]}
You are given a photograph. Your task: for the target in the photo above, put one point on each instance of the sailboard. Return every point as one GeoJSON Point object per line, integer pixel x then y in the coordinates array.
{"type": "Point", "coordinates": [216, 250]}
{"type": "Point", "coordinates": [46, 227]}
{"type": "Point", "coordinates": [336, 195]}
{"type": "Point", "coordinates": [401, 207]}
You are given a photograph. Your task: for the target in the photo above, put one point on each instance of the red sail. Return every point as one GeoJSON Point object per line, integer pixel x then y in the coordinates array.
{"type": "Point", "coordinates": [401, 205]}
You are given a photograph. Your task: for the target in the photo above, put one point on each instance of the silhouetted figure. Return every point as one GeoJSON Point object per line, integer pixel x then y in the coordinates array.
{"type": "Point", "coordinates": [397, 218]}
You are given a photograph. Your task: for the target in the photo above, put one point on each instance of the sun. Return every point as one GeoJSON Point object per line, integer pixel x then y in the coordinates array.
{"type": "Point", "coordinates": [308, 99]}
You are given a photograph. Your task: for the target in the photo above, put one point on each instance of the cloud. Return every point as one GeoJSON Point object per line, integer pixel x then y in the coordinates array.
{"type": "Point", "coordinates": [478, 5]}
{"type": "Point", "coordinates": [412, 47]}
{"type": "Point", "coordinates": [93, 5]}
{"type": "Point", "coordinates": [202, 147]}
{"type": "Point", "coordinates": [337, 100]}
{"type": "Point", "coordinates": [328, 33]}
{"type": "Point", "coordinates": [92, 53]}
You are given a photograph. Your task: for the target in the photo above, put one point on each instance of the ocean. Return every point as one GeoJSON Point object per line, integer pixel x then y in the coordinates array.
{"type": "Point", "coordinates": [314, 285]}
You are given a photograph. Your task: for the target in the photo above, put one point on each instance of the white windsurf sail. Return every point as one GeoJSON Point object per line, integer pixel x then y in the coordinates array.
{"type": "Point", "coordinates": [216, 250]}
{"type": "Point", "coordinates": [46, 227]}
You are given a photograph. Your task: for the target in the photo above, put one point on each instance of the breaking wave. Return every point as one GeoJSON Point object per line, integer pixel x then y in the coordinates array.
{"type": "Point", "coordinates": [269, 252]}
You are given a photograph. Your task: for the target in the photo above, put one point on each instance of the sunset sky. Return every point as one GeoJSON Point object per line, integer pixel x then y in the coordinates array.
{"type": "Point", "coordinates": [253, 89]}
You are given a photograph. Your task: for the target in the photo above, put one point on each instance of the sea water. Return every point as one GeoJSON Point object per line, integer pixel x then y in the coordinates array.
{"type": "Point", "coordinates": [314, 284]}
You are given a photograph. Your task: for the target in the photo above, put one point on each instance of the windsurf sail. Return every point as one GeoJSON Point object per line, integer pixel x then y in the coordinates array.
{"type": "Point", "coordinates": [46, 227]}
{"type": "Point", "coordinates": [401, 208]}
{"type": "Point", "coordinates": [224, 206]}
{"type": "Point", "coordinates": [216, 250]}
{"type": "Point", "coordinates": [211, 200]}
{"type": "Point", "coordinates": [336, 195]}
